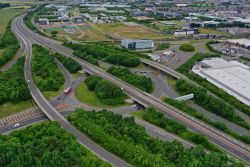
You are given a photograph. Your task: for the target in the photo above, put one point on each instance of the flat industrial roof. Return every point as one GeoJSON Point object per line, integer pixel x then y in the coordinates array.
{"type": "Point", "coordinates": [231, 76]}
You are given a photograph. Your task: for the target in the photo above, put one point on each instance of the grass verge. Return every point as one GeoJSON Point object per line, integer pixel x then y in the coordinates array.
{"type": "Point", "coordinates": [11, 108]}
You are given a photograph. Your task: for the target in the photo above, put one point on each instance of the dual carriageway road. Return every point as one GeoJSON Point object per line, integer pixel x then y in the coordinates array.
{"type": "Point", "coordinates": [219, 138]}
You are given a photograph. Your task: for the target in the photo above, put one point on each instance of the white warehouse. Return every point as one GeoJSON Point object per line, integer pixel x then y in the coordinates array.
{"type": "Point", "coordinates": [137, 44]}
{"type": "Point", "coordinates": [231, 76]}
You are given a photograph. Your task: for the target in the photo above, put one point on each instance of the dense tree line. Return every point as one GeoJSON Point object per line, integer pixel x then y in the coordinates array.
{"type": "Point", "coordinates": [186, 70]}
{"type": "Point", "coordinates": [45, 144]}
{"type": "Point", "coordinates": [158, 119]}
{"type": "Point", "coordinates": [187, 48]}
{"type": "Point", "coordinates": [9, 43]}
{"type": "Point", "coordinates": [105, 91]}
{"type": "Point", "coordinates": [163, 46]}
{"type": "Point", "coordinates": [141, 82]}
{"type": "Point", "coordinates": [4, 5]}
{"type": "Point", "coordinates": [45, 72]}
{"type": "Point", "coordinates": [211, 103]}
{"type": "Point", "coordinates": [125, 60]}
{"type": "Point", "coordinates": [8, 37]}
{"type": "Point", "coordinates": [69, 63]}
{"type": "Point", "coordinates": [183, 106]}
{"type": "Point", "coordinates": [13, 87]}
{"type": "Point", "coordinates": [109, 53]}
{"type": "Point", "coordinates": [28, 18]}
{"type": "Point", "coordinates": [129, 141]}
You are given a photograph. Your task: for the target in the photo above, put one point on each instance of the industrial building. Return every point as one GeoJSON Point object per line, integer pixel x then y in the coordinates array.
{"type": "Point", "coordinates": [43, 21]}
{"type": "Point", "coordinates": [185, 32]}
{"type": "Point", "coordinates": [231, 76]}
{"type": "Point", "coordinates": [137, 44]}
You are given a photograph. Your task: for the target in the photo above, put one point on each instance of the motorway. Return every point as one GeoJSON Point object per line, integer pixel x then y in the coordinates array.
{"type": "Point", "coordinates": [177, 75]}
{"type": "Point", "coordinates": [219, 138]}
{"type": "Point", "coordinates": [53, 115]}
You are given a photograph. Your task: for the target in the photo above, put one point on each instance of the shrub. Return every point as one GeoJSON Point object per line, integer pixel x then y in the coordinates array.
{"type": "Point", "coordinates": [187, 48]}
{"type": "Point", "coordinates": [45, 72]}
{"type": "Point", "coordinates": [105, 91]}
{"type": "Point", "coordinates": [72, 65]}
{"type": "Point", "coordinates": [141, 82]}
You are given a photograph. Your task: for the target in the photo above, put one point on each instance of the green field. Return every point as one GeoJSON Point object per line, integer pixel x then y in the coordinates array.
{"type": "Point", "coordinates": [6, 14]}
{"type": "Point", "coordinates": [85, 96]}
{"type": "Point", "coordinates": [52, 94]}
{"type": "Point", "coordinates": [119, 30]}
{"type": "Point", "coordinates": [10, 108]}
{"type": "Point", "coordinates": [212, 31]}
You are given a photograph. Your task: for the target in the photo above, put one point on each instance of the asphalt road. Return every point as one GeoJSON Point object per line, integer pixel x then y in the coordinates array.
{"type": "Point", "coordinates": [53, 115]}
{"type": "Point", "coordinates": [171, 73]}
{"type": "Point", "coordinates": [219, 138]}
{"type": "Point", "coordinates": [168, 90]}
{"type": "Point", "coordinates": [152, 130]}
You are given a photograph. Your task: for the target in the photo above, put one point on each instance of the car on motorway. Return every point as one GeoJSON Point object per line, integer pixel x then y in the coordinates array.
{"type": "Point", "coordinates": [16, 125]}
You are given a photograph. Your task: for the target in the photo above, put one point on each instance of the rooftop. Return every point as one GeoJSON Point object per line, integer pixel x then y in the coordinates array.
{"type": "Point", "coordinates": [231, 76]}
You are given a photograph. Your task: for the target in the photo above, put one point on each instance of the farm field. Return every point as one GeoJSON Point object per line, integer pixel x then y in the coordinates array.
{"type": "Point", "coordinates": [6, 14]}
{"type": "Point", "coordinates": [120, 30]}
{"type": "Point", "coordinates": [82, 33]}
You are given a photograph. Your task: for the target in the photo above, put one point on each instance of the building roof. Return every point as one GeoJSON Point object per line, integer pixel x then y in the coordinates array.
{"type": "Point", "coordinates": [137, 40]}
{"type": "Point", "coordinates": [232, 76]}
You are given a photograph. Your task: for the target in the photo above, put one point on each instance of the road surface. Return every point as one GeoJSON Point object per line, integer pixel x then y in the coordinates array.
{"type": "Point", "coordinates": [53, 115]}
{"type": "Point", "coordinates": [232, 146]}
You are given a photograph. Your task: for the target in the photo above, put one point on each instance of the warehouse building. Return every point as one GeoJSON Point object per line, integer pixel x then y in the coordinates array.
{"type": "Point", "coordinates": [137, 44]}
{"type": "Point", "coordinates": [231, 76]}
{"type": "Point", "coordinates": [43, 21]}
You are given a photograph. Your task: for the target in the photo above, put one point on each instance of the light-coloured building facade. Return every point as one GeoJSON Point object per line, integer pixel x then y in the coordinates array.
{"type": "Point", "coordinates": [137, 44]}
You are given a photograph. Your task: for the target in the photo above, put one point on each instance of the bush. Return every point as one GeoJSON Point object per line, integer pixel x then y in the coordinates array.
{"type": "Point", "coordinates": [221, 126]}
{"type": "Point", "coordinates": [112, 54]}
{"type": "Point", "coordinates": [8, 54]}
{"type": "Point", "coordinates": [129, 141]}
{"type": "Point", "coordinates": [187, 48]}
{"type": "Point", "coordinates": [211, 103]}
{"type": "Point", "coordinates": [158, 119]}
{"type": "Point", "coordinates": [27, 19]}
{"type": "Point", "coordinates": [72, 65]}
{"type": "Point", "coordinates": [105, 91]}
{"type": "Point", "coordinates": [127, 61]}
{"type": "Point", "coordinates": [136, 80]}
{"type": "Point", "coordinates": [13, 87]}
{"type": "Point", "coordinates": [45, 72]}
{"type": "Point", "coordinates": [163, 46]}
{"type": "Point", "coordinates": [46, 144]}
{"type": "Point", "coordinates": [10, 45]}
